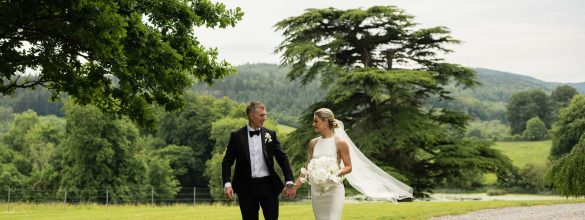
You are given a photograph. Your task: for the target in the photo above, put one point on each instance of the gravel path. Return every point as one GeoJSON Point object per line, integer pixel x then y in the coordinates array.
{"type": "Point", "coordinates": [562, 211]}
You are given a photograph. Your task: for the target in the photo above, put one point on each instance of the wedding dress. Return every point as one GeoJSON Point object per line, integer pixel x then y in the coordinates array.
{"type": "Point", "coordinates": [365, 177]}
{"type": "Point", "coordinates": [327, 205]}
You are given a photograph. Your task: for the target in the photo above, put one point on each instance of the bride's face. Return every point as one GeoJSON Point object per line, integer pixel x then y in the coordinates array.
{"type": "Point", "coordinates": [318, 124]}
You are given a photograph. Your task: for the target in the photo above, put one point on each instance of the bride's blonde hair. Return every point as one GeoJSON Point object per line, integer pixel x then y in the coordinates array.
{"type": "Point", "coordinates": [326, 114]}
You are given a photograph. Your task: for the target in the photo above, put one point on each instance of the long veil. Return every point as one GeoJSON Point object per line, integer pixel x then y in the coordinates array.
{"type": "Point", "coordinates": [369, 179]}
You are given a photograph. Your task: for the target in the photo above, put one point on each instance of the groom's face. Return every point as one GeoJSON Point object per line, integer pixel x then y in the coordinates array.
{"type": "Point", "coordinates": [257, 117]}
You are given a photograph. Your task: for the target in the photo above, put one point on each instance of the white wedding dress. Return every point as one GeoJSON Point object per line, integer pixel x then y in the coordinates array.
{"type": "Point", "coordinates": [327, 205]}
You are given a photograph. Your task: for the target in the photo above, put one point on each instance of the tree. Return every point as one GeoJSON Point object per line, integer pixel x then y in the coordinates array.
{"type": "Point", "coordinates": [567, 173]}
{"type": "Point", "coordinates": [381, 70]}
{"type": "Point", "coordinates": [561, 97]}
{"type": "Point", "coordinates": [37, 100]}
{"type": "Point", "coordinates": [569, 128]}
{"type": "Point", "coordinates": [99, 153]}
{"type": "Point", "coordinates": [525, 105]}
{"type": "Point", "coordinates": [190, 127]}
{"type": "Point", "coordinates": [535, 130]}
{"type": "Point", "coordinates": [120, 56]}
{"type": "Point", "coordinates": [161, 178]}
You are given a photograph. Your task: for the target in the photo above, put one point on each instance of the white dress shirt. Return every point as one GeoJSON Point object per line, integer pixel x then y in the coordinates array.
{"type": "Point", "coordinates": [257, 161]}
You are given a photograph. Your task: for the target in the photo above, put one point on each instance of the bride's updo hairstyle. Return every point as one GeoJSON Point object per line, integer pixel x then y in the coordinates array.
{"type": "Point", "coordinates": [326, 114]}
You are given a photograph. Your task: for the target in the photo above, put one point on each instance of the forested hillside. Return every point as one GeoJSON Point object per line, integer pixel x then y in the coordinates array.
{"type": "Point", "coordinates": [488, 101]}
{"type": "Point", "coordinates": [286, 100]}
{"type": "Point", "coordinates": [266, 83]}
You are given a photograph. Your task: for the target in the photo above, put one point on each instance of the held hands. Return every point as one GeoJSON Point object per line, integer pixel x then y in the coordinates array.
{"type": "Point", "coordinates": [229, 192]}
{"type": "Point", "coordinates": [289, 191]}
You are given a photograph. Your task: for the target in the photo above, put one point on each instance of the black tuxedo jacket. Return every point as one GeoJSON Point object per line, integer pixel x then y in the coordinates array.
{"type": "Point", "coordinates": [238, 151]}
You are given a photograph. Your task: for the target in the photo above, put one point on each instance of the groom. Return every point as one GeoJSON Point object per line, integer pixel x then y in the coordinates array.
{"type": "Point", "coordinates": [254, 149]}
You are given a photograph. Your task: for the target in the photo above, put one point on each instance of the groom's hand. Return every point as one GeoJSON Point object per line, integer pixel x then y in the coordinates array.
{"type": "Point", "coordinates": [229, 192]}
{"type": "Point", "coordinates": [289, 192]}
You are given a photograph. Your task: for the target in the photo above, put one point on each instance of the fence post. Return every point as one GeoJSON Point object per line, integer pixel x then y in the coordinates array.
{"type": "Point", "coordinates": [107, 196]}
{"type": "Point", "coordinates": [194, 194]}
{"type": "Point", "coordinates": [65, 200]}
{"type": "Point", "coordinates": [8, 199]}
{"type": "Point", "coordinates": [151, 196]}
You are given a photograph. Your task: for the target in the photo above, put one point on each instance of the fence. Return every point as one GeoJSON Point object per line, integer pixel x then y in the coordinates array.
{"type": "Point", "coordinates": [146, 195]}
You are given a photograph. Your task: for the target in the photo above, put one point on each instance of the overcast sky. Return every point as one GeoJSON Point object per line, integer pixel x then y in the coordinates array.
{"type": "Point", "coordinates": [544, 39]}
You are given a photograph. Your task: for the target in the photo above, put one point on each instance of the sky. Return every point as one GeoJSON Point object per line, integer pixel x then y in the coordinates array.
{"type": "Point", "coordinates": [544, 39]}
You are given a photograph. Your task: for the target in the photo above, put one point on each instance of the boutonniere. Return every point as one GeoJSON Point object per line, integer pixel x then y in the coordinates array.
{"type": "Point", "coordinates": [267, 138]}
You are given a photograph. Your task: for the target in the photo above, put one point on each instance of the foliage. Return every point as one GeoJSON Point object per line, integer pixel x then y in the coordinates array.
{"type": "Point", "coordinates": [120, 56]}
{"type": "Point", "coordinates": [38, 100]}
{"type": "Point", "coordinates": [10, 175]}
{"type": "Point", "coordinates": [160, 176]}
{"type": "Point", "coordinates": [381, 70]}
{"type": "Point", "coordinates": [99, 152]}
{"type": "Point", "coordinates": [267, 83]}
{"type": "Point", "coordinates": [562, 96]}
{"type": "Point", "coordinates": [220, 132]}
{"type": "Point", "coordinates": [567, 173]}
{"type": "Point", "coordinates": [569, 127]}
{"type": "Point", "coordinates": [190, 127]}
{"type": "Point", "coordinates": [535, 130]}
{"type": "Point", "coordinates": [213, 172]}
{"type": "Point", "coordinates": [526, 105]}
{"type": "Point", "coordinates": [488, 130]}
{"type": "Point", "coordinates": [28, 150]}
{"type": "Point", "coordinates": [6, 118]}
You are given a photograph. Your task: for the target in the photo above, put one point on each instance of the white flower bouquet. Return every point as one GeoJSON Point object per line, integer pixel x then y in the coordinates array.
{"type": "Point", "coordinates": [322, 172]}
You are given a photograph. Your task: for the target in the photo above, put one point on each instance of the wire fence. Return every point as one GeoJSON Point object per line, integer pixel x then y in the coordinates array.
{"type": "Point", "coordinates": [147, 195]}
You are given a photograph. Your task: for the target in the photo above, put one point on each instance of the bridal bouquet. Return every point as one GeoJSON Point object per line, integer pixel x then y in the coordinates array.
{"type": "Point", "coordinates": [322, 172]}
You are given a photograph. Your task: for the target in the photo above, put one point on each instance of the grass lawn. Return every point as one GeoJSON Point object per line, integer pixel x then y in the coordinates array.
{"type": "Point", "coordinates": [366, 210]}
{"type": "Point", "coordinates": [285, 129]}
{"type": "Point", "coordinates": [522, 153]}
{"type": "Point", "coordinates": [526, 152]}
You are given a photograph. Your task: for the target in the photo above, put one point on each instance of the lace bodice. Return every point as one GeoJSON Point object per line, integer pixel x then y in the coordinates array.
{"type": "Point", "coordinates": [325, 147]}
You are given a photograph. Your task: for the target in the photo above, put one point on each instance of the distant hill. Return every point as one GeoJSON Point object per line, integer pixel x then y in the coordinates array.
{"type": "Point", "coordinates": [286, 100]}
{"type": "Point", "coordinates": [490, 77]}
{"type": "Point", "coordinates": [488, 101]}
{"type": "Point", "coordinates": [268, 83]}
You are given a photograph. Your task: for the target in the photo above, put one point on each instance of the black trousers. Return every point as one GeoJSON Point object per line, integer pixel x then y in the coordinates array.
{"type": "Point", "coordinates": [262, 195]}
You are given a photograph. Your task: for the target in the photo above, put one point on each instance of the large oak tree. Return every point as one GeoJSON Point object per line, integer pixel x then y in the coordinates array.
{"type": "Point", "coordinates": [120, 55]}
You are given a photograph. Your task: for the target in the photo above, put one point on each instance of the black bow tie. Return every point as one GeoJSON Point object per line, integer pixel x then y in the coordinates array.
{"type": "Point", "coordinates": [256, 132]}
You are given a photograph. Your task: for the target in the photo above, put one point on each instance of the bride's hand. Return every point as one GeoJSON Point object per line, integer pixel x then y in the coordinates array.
{"type": "Point", "coordinates": [289, 192]}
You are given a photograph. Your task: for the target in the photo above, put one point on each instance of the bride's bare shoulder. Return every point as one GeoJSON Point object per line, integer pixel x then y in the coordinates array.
{"type": "Point", "coordinates": [313, 142]}
{"type": "Point", "coordinates": [341, 142]}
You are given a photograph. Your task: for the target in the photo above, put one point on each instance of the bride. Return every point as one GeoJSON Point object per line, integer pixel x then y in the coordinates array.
{"type": "Point", "coordinates": [361, 173]}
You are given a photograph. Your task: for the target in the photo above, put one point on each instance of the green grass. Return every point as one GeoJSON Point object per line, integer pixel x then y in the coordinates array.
{"type": "Point", "coordinates": [285, 129]}
{"type": "Point", "coordinates": [366, 210]}
{"type": "Point", "coordinates": [522, 153]}
{"type": "Point", "coordinates": [526, 152]}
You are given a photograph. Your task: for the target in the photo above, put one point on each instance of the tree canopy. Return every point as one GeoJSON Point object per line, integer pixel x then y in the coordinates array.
{"type": "Point", "coordinates": [528, 104]}
{"type": "Point", "coordinates": [569, 128]}
{"type": "Point", "coordinates": [120, 56]}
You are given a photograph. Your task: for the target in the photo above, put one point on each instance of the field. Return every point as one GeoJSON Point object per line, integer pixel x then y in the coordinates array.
{"type": "Point", "coordinates": [352, 210]}
{"type": "Point", "coordinates": [522, 153]}
{"type": "Point", "coordinates": [525, 152]}
{"type": "Point", "coordinates": [284, 129]}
